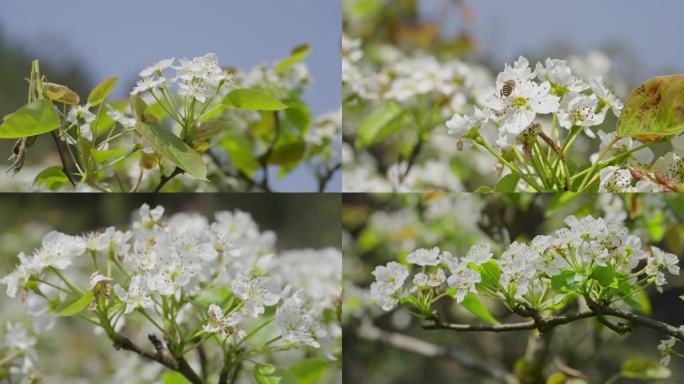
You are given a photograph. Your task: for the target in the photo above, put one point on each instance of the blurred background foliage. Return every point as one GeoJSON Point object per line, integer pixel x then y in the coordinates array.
{"type": "Point", "coordinates": [299, 221]}
{"type": "Point", "coordinates": [378, 228]}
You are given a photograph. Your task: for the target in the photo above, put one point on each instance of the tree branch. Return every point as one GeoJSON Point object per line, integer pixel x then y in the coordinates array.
{"type": "Point", "coordinates": [546, 324]}
{"type": "Point", "coordinates": [165, 179]}
{"type": "Point", "coordinates": [418, 346]}
{"type": "Point", "coordinates": [162, 355]}
{"type": "Point", "coordinates": [325, 178]}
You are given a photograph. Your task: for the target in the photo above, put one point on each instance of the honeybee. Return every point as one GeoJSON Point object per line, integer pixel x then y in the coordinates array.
{"type": "Point", "coordinates": [507, 88]}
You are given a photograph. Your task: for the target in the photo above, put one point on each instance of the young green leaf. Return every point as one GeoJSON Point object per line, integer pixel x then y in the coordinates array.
{"type": "Point", "coordinates": [266, 374]}
{"type": "Point", "coordinates": [253, 99]}
{"type": "Point", "coordinates": [174, 378]}
{"type": "Point", "coordinates": [644, 369]}
{"type": "Point", "coordinates": [77, 305]}
{"type": "Point", "coordinates": [507, 183]}
{"type": "Point", "coordinates": [100, 93]}
{"type": "Point", "coordinates": [298, 54]}
{"type": "Point", "coordinates": [173, 148]}
{"type": "Point", "coordinates": [51, 178]}
{"type": "Point", "coordinates": [287, 153]}
{"type": "Point", "coordinates": [370, 128]}
{"type": "Point", "coordinates": [32, 119]}
{"type": "Point", "coordinates": [308, 371]}
{"type": "Point", "coordinates": [240, 153]}
{"type": "Point", "coordinates": [474, 306]}
{"type": "Point", "coordinates": [654, 110]}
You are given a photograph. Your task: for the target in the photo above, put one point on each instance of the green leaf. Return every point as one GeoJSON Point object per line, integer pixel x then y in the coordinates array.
{"type": "Point", "coordinates": [484, 189]}
{"type": "Point", "coordinates": [287, 153]}
{"type": "Point", "coordinates": [556, 302]}
{"type": "Point", "coordinates": [253, 99]}
{"type": "Point", "coordinates": [474, 306]}
{"type": "Point", "coordinates": [105, 155]}
{"type": "Point", "coordinates": [32, 119]}
{"type": "Point", "coordinates": [100, 93]}
{"type": "Point", "coordinates": [639, 302]}
{"type": "Point", "coordinates": [174, 378]}
{"type": "Point", "coordinates": [240, 153]}
{"type": "Point", "coordinates": [51, 178]}
{"type": "Point", "coordinates": [604, 275]}
{"type": "Point", "coordinates": [490, 273]}
{"type": "Point", "coordinates": [213, 295]}
{"type": "Point", "coordinates": [174, 149]}
{"type": "Point", "coordinates": [644, 369]}
{"type": "Point", "coordinates": [298, 54]}
{"type": "Point", "coordinates": [308, 371]}
{"type": "Point", "coordinates": [266, 374]}
{"type": "Point", "coordinates": [142, 111]}
{"type": "Point", "coordinates": [557, 378]}
{"type": "Point", "coordinates": [564, 282]}
{"type": "Point", "coordinates": [508, 183]}
{"type": "Point", "coordinates": [298, 115]}
{"type": "Point", "coordinates": [370, 128]}
{"type": "Point", "coordinates": [654, 110]}
{"type": "Point", "coordinates": [77, 305]}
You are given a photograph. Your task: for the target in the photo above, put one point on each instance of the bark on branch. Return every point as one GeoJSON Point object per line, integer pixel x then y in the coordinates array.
{"type": "Point", "coordinates": [544, 324]}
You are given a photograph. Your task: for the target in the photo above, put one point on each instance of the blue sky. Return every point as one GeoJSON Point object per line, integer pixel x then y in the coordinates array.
{"type": "Point", "coordinates": [118, 38]}
{"type": "Point", "coordinates": [649, 29]}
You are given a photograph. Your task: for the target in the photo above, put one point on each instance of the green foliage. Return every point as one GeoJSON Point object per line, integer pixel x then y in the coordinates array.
{"type": "Point", "coordinates": [507, 183]}
{"type": "Point", "coordinates": [644, 369]}
{"type": "Point", "coordinates": [32, 119]}
{"type": "Point", "coordinates": [375, 125]}
{"type": "Point", "coordinates": [100, 93]}
{"type": "Point", "coordinates": [253, 99]}
{"type": "Point", "coordinates": [174, 149]}
{"type": "Point", "coordinates": [173, 378]}
{"type": "Point", "coordinates": [51, 178]}
{"type": "Point", "coordinates": [474, 306]}
{"type": "Point", "coordinates": [77, 305]}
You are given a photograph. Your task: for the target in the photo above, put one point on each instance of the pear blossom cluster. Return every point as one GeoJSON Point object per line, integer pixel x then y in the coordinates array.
{"type": "Point", "coordinates": [183, 259]}
{"type": "Point", "coordinates": [585, 244]}
{"type": "Point", "coordinates": [18, 354]}
{"type": "Point", "coordinates": [551, 88]}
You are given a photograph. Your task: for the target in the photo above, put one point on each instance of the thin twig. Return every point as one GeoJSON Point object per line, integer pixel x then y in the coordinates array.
{"type": "Point", "coordinates": [264, 158]}
{"type": "Point", "coordinates": [165, 179]}
{"type": "Point", "coordinates": [325, 178]}
{"type": "Point", "coordinates": [63, 159]}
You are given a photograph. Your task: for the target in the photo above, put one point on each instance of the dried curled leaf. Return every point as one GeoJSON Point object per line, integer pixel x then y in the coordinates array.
{"type": "Point", "coordinates": [654, 110]}
{"type": "Point", "coordinates": [61, 94]}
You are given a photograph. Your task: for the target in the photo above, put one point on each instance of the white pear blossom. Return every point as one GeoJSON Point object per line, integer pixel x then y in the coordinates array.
{"type": "Point", "coordinates": [606, 97]}
{"type": "Point", "coordinates": [614, 179]}
{"type": "Point", "coordinates": [146, 84]}
{"type": "Point", "coordinates": [388, 280]}
{"type": "Point", "coordinates": [295, 323]}
{"type": "Point", "coordinates": [256, 292]}
{"type": "Point", "coordinates": [225, 325]}
{"type": "Point", "coordinates": [120, 117]}
{"type": "Point", "coordinates": [424, 257]}
{"type": "Point", "coordinates": [665, 348]}
{"type": "Point", "coordinates": [581, 111]}
{"type": "Point", "coordinates": [158, 68]}
{"type": "Point", "coordinates": [136, 296]}
{"type": "Point", "coordinates": [559, 74]}
{"type": "Point", "coordinates": [479, 254]}
{"type": "Point", "coordinates": [463, 279]}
